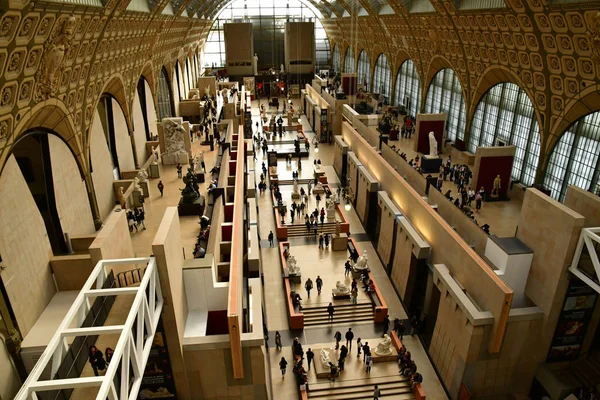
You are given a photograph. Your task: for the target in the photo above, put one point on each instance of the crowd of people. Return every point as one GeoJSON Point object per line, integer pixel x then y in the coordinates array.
{"type": "Point", "coordinates": [136, 218]}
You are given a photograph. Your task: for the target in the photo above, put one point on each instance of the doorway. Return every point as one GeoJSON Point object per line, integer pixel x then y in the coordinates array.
{"type": "Point", "coordinates": [430, 318]}
{"type": "Point", "coordinates": [32, 154]}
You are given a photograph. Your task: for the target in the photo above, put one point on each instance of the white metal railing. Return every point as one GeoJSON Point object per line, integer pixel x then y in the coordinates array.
{"type": "Point", "coordinates": [132, 349]}
{"type": "Point", "coordinates": [587, 238]}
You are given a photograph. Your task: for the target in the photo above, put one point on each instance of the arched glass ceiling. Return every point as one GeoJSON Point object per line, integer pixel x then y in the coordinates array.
{"type": "Point", "coordinates": [268, 18]}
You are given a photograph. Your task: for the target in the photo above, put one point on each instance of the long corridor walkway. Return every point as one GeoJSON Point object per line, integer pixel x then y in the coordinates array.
{"type": "Point", "coordinates": [354, 382]}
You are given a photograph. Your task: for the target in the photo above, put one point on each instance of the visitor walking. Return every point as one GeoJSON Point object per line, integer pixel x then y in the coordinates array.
{"type": "Point", "coordinates": [348, 268]}
{"type": "Point", "coordinates": [271, 238]}
{"type": "Point", "coordinates": [358, 347]}
{"type": "Point", "coordinates": [376, 393]}
{"type": "Point", "coordinates": [330, 311]}
{"type": "Point", "coordinates": [278, 341]}
{"type": "Point", "coordinates": [349, 339]}
{"type": "Point", "coordinates": [308, 286]}
{"type": "Point", "coordinates": [368, 363]}
{"type": "Point", "coordinates": [354, 295]}
{"type": "Point", "coordinates": [309, 357]}
{"type": "Point", "coordinates": [142, 218]}
{"type": "Point", "coordinates": [338, 337]}
{"type": "Point", "coordinates": [282, 366]}
{"type": "Point", "coordinates": [326, 236]}
{"type": "Point", "coordinates": [96, 360]}
{"type": "Point", "coordinates": [161, 187]}
{"type": "Point", "coordinates": [179, 170]}
{"type": "Point", "coordinates": [319, 283]}
{"type": "Point", "coordinates": [366, 351]}
{"type": "Point", "coordinates": [386, 324]}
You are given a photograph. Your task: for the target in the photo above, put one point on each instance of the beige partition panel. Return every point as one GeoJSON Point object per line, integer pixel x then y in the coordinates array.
{"type": "Point", "coordinates": [584, 203]}
{"type": "Point", "coordinates": [366, 185]}
{"type": "Point", "coordinates": [341, 149]}
{"type": "Point", "coordinates": [239, 48]}
{"type": "Point", "coordinates": [113, 241]}
{"type": "Point", "coordinates": [353, 164]}
{"type": "Point", "coordinates": [166, 247]}
{"type": "Point", "coordinates": [389, 213]}
{"type": "Point", "coordinates": [299, 47]}
{"type": "Point", "coordinates": [467, 267]}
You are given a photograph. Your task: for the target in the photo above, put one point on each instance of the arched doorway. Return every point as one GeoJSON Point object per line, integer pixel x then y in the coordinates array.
{"type": "Point", "coordinates": [144, 119]}
{"type": "Point", "coordinates": [166, 105]}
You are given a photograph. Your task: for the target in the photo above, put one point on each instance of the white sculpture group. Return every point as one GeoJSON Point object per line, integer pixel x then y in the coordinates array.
{"type": "Point", "coordinates": [293, 266]}
{"type": "Point", "coordinates": [384, 348]}
{"type": "Point", "coordinates": [340, 289]}
{"type": "Point", "coordinates": [361, 263]}
{"type": "Point", "coordinates": [174, 132]}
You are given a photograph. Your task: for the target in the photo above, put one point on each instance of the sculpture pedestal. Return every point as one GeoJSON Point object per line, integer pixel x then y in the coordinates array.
{"type": "Point", "coordinates": [340, 296]}
{"type": "Point", "coordinates": [174, 159]}
{"type": "Point", "coordinates": [154, 171]}
{"type": "Point", "coordinates": [195, 208]}
{"type": "Point", "coordinates": [136, 194]}
{"type": "Point", "coordinates": [318, 191]}
{"type": "Point", "coordinates": [145, 189]}
{"type": "Point", "coordinates": [322, 371]}
{"type": "Point", "coordinates": [330, 214]}
{"type": "Point", "coordinates": [377, 358]}
{"type": "Point", "coordinates": [340, 243]}
{"type": "Point", "coordinates": [431, 164]}
{"type": "Point", "coordinates": [295, 196]}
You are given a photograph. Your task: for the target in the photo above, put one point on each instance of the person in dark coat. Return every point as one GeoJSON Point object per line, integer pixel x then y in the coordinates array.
{"type": "Point", "coordinates": [96, 360]}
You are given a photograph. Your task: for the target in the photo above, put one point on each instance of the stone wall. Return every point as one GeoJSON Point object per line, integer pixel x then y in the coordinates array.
{"type": "Point", "coordinates": [139, 131]}
{"type": "Point", "coordinates": [25, 249]}
{"type": "Point", "coordinates": [70, 192]}
{"type": "Point", "coordinates": [102, 169]}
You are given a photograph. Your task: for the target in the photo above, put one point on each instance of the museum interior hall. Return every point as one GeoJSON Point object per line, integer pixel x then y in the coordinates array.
{"type": "Point", "coordinates": [299, 199]}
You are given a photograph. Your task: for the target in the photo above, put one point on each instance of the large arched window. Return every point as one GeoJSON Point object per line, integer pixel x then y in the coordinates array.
{"type": "Point", "coordinates": [445, 96]}
{"type": "Point", "coordinates": [166, 106]}
{"type": "Point", "coordinates": [268, 20]}
{"type": "Point", "coordinates": [336, 62]}
{"type": "Point", "coordinates": [364, 70]}
{"type": "Point", "coordinates": [382, 78]}
{"type": "Point", "coordinates": [575, 158]}
{"type": "Point", "coordinates": [349, 63]}
{"type": "Point", "coordinates": [408, 88]}
{"type": "Point", "coordinates": [505, 115]}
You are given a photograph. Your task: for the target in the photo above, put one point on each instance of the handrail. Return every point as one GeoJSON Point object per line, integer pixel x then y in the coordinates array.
{"type": "Point", "coordinates": [236, 267]}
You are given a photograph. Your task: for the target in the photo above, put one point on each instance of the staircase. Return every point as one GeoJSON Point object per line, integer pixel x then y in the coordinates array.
{"type": "Point", "coordinates": [297, 230]}
{"type": "Point", "coordinates": [344, 313]}
{"type": "Point", "coordinates": [359, 389]}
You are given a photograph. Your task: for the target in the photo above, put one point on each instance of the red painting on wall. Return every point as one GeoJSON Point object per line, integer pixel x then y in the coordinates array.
{"type": "Point", "coordinates": [424, 128]}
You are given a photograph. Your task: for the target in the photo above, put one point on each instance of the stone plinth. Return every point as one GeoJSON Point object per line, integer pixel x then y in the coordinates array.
{"type": "Point", "coordinates": [195, 208]}
{"type": "Point", "coordinates": [295, 196]}
{"type": "Point", "coordinates": [154, 171]}
{"type": "Point", "coordinates": [340, 243]}
{"type": "Point", "coordinates": [431, 164]}
{"type": "Point", "coordinates": [145, 189]}
{"type": "Point", "coordinates": [379, 359]}
{"type": "Point", "coordinates": [136, 194]}
{"type": "Point", "coordinates": [322, 371]}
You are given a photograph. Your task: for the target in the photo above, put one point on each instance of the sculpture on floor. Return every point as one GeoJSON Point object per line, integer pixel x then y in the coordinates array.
{"type": "Point", "coordinates": [319, 188]}
{"type": "Point", "coordinates": [330, 204]}
{"type": "Point", "coordinates": [340, 289]}
{"type": "Point", "coordinates": [433, 145]}
{"type": "Point", "coordinates": [292, 265]}
{"type": "Point", "coordinates": [361, 263]}
{"type": "Point", "coordinates": [190, 193]}
{"type": "Point", "coordinates": [255, 64]}
{"type": "Point", "coordinates": [325, 359]}
{"type": "Point", "coordinates": [142, 175]}
{"type": "Point", "coordinates": [384, 348]}
{"type": "Point", "coordinates": [334, 198]}
{"type": "Point", "coordinates": [295, 186]}
{"type": "Point", "coordinates": [136, 184]}
{"type": "Point", "coordinates": [497, 186]}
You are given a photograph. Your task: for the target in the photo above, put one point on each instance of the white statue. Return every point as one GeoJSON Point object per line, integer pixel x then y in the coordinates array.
{"type": "Point", "coordinates": [154, 156]}
{"type": "Point", "coordinates": [136, 184]}
{"type": "Point", "coordinates": [384, 348]}
{"type": "Point", "coordinates": [295, 186]}
{"type": "Point", "coordinates": [319, 188]}
{"type": "Point", "coordinates": [174, 138]}
{"type": "Point", "coordinates": [334, 197]}
{"type": "Point", "coordinates": [282, 69]}
{"type": "Point", "coordinates": [340, 289]}
{"type": "Point", "coordinates": [207, 91]}
{"type": "Point", "coordinates": [361, 263]}
{"type": "Point", "coordinates": [292, 266]}
{"type": "Point", "coordinates": [330, 204]}
{"type": "Point", "coordinates": [433, 145]}
{"type": "Point", "coordinates": [325, 359]}
{"type": "Point", "coordinates": [142, 175]}
{"type": "Point", "coordinates": [255, 64]}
